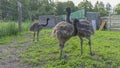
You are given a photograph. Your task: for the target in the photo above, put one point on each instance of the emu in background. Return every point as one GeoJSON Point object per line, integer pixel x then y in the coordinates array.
{"type": "Point", "coordinates": [36, 27]}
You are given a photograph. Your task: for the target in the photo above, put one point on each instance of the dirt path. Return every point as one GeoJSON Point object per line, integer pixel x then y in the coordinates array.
{"type": "Point", "coordinates": [9, 52]}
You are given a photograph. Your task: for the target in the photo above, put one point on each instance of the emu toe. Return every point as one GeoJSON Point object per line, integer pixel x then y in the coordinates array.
{"type": "Point", "coordinates": [91, 53]}
{"type": "Point", "coordinates": [66, 57]}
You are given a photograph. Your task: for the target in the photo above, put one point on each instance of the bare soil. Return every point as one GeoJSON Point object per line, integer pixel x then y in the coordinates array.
{"type": "Point", "coordinates": [9, 52]}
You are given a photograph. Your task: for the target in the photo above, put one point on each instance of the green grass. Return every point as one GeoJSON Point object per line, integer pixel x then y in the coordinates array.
{"type": "Point", "coordinates": [11, 28]}
{"type": "Point", "coordinates": [8, 29]}
{"type": "Point", "coordinates": [45, 53]}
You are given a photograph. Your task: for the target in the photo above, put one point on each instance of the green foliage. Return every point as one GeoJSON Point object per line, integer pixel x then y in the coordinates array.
{"type": "Point", "coordinates": [9, 9]}
{"type": "Point", "coordinates": [26, 25]}
{"type": "Point", "coordinates": [45, 53]}
{"type": "Point", "coordinates": [11, 28]}
{"type": "Point", "coordinates": [100, 7]}
{"type": "Point", "coordinates": [31, 8]}
{"type": "Point", "coordinates": [8, 29]}
{"type": "Point", "coordinates": [86, 4]}
{"type": "Point", "coordinates": [60, 7]}
{"type": "Point", "coordinates": [108, 8]}
{"type": "Point", "coordinates": [117, 8]}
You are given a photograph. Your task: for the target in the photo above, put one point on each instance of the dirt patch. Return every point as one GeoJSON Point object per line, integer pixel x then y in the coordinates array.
{"type": "Point", "coordinates": [9, 53]}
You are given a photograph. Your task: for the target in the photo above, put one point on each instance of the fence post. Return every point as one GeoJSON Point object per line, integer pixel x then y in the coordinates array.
{"type": "Point", "coordinates": [110, 20]}
{"type": "Point", "coordinates": [19, 16]}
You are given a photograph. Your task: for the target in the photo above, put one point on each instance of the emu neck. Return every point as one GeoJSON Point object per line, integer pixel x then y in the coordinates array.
{"type": "Point", "coordinates": [45, 24]}
{"type": "Point", "coordinates": [75, 30]}
{"type": "Point", "coordinates": [75, 24]}
{"type": "Point", "coordinates": [68, 18]}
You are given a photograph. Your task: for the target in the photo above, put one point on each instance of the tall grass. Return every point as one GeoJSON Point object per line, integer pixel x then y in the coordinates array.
{"type": "Point", "coordinates": [11, 28]}
{"type": "Point", "coordinates": [26, 25]}
{"type": "Point", "coordinates": [8, 28]}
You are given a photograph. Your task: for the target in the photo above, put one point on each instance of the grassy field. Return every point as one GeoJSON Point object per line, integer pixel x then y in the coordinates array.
{"type": "Point", "coordinates": [45, 53]}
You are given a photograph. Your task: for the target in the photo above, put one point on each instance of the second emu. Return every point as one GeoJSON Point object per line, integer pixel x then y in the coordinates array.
{"type": "Point", "coordinates": [84, 29]}
{"type": "Point", "coordinates": [37, 27]}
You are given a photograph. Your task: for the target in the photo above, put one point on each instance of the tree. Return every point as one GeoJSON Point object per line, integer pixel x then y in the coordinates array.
{"type": "Point", "coordinates": [60, 7]}
{"type": "Point", "coordinates": [108, 8]}
{"type": "Point", "coordinates": [8, 8]}
{"type": "Point", "coordinates": [41, 7]}
{"type": "Point", "coordinates": [100, 7]}
{"type": "Point", "coordinates": [71, 4]}
{"type": "Point", "coordinates": [0, 10]}
{"type": "Point", "coordinates": [96, 8]}
{"type": "Point", "coordinates": [117, 8]}
{"type": "Point", "coordinates": [48, 7]}
{"type": "Point", "coordinates": [86, 4]}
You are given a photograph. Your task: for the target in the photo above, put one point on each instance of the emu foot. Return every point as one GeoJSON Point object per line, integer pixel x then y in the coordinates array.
{"type": "Point", "coordinates": [66, 57]}
{"type": "Point", "coordinates": [92, 54]}
{"type": "Point", "coordinates": [60, 58]}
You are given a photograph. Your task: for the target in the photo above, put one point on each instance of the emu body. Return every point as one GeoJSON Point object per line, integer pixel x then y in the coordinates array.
{"type": "Point", "coordinates": [63, 31]}
{"type": "Point", "coordinates": [84, 29]}
{"type": "Point", "coordinates": [37, 27]}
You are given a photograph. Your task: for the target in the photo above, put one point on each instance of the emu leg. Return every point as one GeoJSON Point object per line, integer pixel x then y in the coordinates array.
{"type": "Point", "coordinates": [38, 36]}
{"type": "Point", "coordinates": [89, 42]}
{"type": "Point", "coordinates": [61, 50]}
{"type": "Point", "coordinates": [34, 36]}
{"type": "Point", "coordinates": [81, 44]}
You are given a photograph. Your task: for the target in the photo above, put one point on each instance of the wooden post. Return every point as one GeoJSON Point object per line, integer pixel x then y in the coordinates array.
{"type": "Point", "coordinates": [102, 25]}
{"type": "Point", "coordinates": [19, 16]}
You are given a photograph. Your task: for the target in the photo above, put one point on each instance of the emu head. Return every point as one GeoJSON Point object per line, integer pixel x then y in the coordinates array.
{"type": "Point", "coordinates": [75, 21]}
{"type": "Point", "coordinates": [48, 19]}
{"type": "Point", "coordinates": [68, 9]}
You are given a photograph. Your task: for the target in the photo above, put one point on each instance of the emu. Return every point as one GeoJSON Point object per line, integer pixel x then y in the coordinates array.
{"type": "Point", "coordinates": [63, 31]}
{"type": "Point", "coordinates": [84, 29]}
{"type": "Point", "coordinates": [36, 27]}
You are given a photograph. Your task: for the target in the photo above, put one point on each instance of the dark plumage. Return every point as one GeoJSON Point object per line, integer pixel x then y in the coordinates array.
{"type": "Point", "coordinates": [84, 29]}
{"type": "Point", "coordinates": [36, 27]}
{"type": "Point", "coordinates": [64, 30]}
